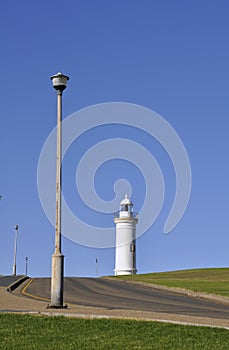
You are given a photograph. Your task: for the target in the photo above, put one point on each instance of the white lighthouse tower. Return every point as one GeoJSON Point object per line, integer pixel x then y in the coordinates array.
{"type": "Point", "coordinates": [125, 255]}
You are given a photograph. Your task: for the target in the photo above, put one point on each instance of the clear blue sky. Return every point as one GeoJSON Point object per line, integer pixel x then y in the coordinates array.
{"type": "Point", "coordinates": [169, 56]}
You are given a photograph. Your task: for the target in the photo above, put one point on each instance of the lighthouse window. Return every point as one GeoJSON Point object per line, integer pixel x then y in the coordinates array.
{"type": "Point", "coordinates": [132, 248]}
{"type": "Point", "coordinates": [126, 208]}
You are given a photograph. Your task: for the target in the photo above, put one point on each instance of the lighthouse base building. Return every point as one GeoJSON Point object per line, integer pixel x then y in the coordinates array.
{"type": "Point", "coordinates": [125, 253]}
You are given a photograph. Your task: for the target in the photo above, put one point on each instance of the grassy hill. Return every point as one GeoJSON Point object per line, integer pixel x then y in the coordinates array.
{"type": "Point", "coordinates": [212, 280]}
{"type": "Point", "coordinates": [36, 332]}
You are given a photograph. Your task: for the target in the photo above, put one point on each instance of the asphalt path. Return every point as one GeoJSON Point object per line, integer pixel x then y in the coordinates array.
{"type": "Point", "coordinates": [115, 294]}
{"type": "Point", "coordinates": [6, 281]}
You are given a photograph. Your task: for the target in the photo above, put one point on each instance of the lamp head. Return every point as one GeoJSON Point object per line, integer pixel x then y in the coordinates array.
{"type": "Point", "coordinates": [59, 81]}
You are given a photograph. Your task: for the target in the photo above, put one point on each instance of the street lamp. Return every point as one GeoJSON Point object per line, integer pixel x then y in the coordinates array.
{"type": "Point", "coordinates": [15, 251]}
{"type": "Point", "coordinates": [97, 266]}
{"type": "Point", "coordinates": [59, 82]}
{"type": "Point", "coordinates": [26, 265]}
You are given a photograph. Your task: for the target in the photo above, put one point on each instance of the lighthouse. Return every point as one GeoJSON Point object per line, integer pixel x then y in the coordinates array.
{"type": "Point", "coordinates": [125, 254]}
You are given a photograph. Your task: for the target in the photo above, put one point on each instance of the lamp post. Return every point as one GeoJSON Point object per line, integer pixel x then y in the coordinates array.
{"type": "Point", "coordinates": [15, 251]}
{"type": "Point", "coordinates": [97, 266]}
{"type": "Point", "coordinates": [59, 82]}
{"type": "Point", "coordinates": [26, 265]}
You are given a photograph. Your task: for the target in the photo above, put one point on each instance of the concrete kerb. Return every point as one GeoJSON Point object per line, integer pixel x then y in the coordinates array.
{"type": "Point", "coordinates": [16, 284]}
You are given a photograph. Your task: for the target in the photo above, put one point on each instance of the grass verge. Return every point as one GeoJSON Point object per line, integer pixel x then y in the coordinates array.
{"type": "Point", "coordinates": [34, 332]}
{"type": "Point", "coordinates": [214, 280]}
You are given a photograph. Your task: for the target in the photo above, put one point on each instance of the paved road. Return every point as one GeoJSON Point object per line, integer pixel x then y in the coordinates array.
{"type": "Point", "coordinates": [116, 294]}
{"type": "Point", "coordinates": [5, 281]}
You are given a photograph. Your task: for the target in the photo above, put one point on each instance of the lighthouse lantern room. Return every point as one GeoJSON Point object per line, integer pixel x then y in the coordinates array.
{"type": "Point", "coordinates": [125, 254]}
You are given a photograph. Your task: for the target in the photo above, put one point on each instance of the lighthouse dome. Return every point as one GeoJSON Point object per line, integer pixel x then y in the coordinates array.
{"type": "Point", "coordinates": [126, 201]}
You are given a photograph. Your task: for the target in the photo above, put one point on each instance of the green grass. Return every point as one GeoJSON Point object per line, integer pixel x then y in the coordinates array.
{"type": "Point", "coordinates": [40, 332]}
{"type": "Point", "coordinates": [214, 281]}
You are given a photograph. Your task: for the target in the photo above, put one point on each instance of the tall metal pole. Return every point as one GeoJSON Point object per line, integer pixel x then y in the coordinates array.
{"type": "Point", "coordinates": [57, 282]}
{"type": "Point", "coordinates": [15, 251]}
{"type": "Point", "coordinates": [97, 267]}
{"type": "Point", "coordinates": [26, 265]}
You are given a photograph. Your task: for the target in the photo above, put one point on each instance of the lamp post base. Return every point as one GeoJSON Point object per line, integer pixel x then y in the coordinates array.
{"type": "Point", "coordinates": [57, 307]}
{"type": "Point", "coordinates": [57, 281]}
